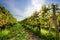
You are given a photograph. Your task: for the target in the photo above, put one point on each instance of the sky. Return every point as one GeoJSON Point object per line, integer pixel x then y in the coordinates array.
{"type": "Point", "coordinates": [21, 9]}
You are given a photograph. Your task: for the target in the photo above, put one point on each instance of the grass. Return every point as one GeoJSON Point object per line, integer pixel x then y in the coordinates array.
{"type": "Point", "coordinates": [17, 33]}
{"type": "Point", "coordinates": [13, 33]}
{"type": "Point", "coordinates": [44, 32]}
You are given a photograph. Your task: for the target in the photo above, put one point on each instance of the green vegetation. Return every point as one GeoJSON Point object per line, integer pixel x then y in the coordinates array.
{"type": "Point", "coordinates": [44, 24]}
{"type": "Point", "coordinates": [6, 18]}
{"type": "Point", "coordinates": [14, 33]}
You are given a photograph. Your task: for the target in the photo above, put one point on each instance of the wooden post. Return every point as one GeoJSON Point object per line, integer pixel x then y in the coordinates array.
{"type": "Point", "coordinates": [55, 21]}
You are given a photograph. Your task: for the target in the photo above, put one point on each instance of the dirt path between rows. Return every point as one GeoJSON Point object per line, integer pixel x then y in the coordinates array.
{"type": "Point", "coordinates": [30, 35]}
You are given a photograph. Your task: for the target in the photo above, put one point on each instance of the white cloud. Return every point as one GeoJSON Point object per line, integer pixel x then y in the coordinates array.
{"type": "Point", "coordinates": [36, 5]}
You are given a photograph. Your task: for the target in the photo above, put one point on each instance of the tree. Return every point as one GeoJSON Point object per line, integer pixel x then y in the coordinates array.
{"type": "Point", "coordinates": [45, 15]}
{"type": "Point", "coordinates": [44, 8]}
{"type": "Point", "coordinates": [55, 21]}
